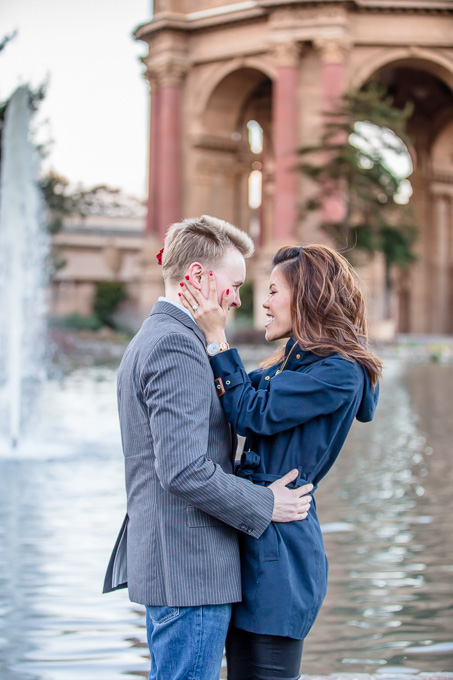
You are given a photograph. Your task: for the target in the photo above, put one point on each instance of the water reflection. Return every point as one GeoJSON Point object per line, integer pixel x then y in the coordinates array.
{"type": "Point", "coordinates": [59, 511]}
{"type": "Point", "coordinates": [389, 590]}
{"type": "Point", "coordinates": [386, 510]}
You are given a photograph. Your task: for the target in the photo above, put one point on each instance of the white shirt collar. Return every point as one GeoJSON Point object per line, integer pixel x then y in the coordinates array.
{"type": "Point", "coordinates": [162, 298]}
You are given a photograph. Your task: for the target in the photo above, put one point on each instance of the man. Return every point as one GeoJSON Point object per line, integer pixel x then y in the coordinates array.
{"type": "Point", "coordinates": [184, 505]}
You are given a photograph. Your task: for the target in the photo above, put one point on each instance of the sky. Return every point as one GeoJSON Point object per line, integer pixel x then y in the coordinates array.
{"type": "Point", "coordinates": [97, 105]}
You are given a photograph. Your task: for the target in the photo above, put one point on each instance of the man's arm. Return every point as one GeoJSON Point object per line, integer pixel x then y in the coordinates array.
{"type": "Point", "coordinates": [177, 389]}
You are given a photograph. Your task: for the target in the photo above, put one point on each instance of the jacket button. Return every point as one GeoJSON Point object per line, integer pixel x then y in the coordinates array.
{"type": "Point", "coordinates": [268, 377]}
{"type": "Point", "coordinates": [297, 356]}
{"type": "Point", "coordinates": [227, 382]}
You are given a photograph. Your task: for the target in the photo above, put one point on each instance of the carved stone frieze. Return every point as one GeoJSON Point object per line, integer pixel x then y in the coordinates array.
{"type": "Point", "coordinates": [299, 17]}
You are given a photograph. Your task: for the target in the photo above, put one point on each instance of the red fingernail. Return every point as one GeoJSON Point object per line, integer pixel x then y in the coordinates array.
{"type": "Point", "coordinates": [182, 285]}
{"type": "Point", "coordinates": [179, 294]}
{"type": "Point", "coordinates": [187, 278]}
{"type": "Point", "coordinates": [210, 273]}
{"type": "Point", "coordinates": [227, 291]}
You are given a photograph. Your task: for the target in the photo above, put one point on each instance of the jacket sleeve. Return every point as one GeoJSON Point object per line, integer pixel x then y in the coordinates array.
{"type": "Point", "coordinates": [255, 377]}
{"type": "Point", "coordinates": [177, 387]}
{"type": "Point", "coordinates": [292, 398]}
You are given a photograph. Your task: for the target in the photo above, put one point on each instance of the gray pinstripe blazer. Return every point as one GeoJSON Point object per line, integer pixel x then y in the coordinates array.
{"type": "Point", "coordinates": [183, 503]}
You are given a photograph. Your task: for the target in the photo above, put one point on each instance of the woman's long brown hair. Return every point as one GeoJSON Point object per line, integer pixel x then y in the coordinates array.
{"type": "Point", "coordinates": [327, 306]}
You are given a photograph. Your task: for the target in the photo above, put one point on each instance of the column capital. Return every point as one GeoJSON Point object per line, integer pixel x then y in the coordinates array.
{"type": "Point", "coordinates": [165, 71]}
{"type": "Point", "coordinates": [333, 50]}
{"type": "Point", "coordinates": [286, 53]}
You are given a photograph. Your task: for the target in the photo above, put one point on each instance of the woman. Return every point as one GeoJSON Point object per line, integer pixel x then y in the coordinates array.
{"type": "Point", "coordinates": [295, 412]}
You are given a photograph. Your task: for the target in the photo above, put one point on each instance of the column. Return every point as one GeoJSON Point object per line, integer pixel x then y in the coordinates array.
{"type": "Point", "coordinates": [440, 292]}
{"type": "Point", "coordinates": [333, 84]}
{"type": "Point", "coordinates": [152, 207]}
{"type": "Point", "coordinates": [285, 140]}
{"type": "Point", "coordinates": [333, 74]}
{"type": "Point", "coordinates": [165, 159]}
{"type": "Point", "coordinates": [170, 152]}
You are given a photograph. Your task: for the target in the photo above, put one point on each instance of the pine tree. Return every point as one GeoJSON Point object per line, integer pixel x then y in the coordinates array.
{"type": "Point", "coordinates": [352, 162]}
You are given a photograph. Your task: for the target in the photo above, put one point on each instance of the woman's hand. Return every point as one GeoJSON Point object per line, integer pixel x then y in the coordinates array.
{"type": "Point", "coordinates": [210, 316]}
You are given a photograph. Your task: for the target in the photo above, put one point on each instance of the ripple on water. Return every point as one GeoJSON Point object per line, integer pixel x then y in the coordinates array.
{"type": "Point", "coordinates": [388, 607]}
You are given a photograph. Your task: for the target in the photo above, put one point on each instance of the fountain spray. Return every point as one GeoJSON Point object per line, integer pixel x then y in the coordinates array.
{"type": "Point", "coordinates": [24, 248]}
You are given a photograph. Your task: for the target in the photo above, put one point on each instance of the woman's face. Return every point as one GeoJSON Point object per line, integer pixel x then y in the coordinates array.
{"type": "Point", "coordinates": [278, 308]}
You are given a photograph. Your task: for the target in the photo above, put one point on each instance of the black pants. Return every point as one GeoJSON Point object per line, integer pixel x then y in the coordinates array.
{"type": "Point", "coordinates": [261, 657]}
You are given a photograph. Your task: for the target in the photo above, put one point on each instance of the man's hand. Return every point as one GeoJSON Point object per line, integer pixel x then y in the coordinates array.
{"type": "Point", "coordinates": [290, 504]}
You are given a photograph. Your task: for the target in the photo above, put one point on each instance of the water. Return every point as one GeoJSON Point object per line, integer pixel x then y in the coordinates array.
{"type": "Point", "coordinates": [386, 508]}
{"type": "Point", "coordinates": [390, 598]}
{"type": "Point", "coordinates": [24, 248]}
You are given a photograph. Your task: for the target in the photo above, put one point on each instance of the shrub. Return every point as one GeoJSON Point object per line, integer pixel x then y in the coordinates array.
{"type": "Point", "coordinates": [108, 296]}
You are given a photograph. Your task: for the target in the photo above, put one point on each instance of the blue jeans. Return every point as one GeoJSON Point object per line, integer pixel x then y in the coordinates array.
{"type": "Point", "coordinates": [186, 643]}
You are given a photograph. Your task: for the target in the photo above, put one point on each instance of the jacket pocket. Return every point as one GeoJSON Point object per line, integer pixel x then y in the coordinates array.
{"type": "Point", "coordinates": [197, 518]}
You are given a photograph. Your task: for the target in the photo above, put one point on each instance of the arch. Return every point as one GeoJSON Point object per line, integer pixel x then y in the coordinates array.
{"type": "Point", "coordinates": [224, 108]}
{"type": "Point", "coordinates": [234, 93]}
{"type": "Point", "coordinates": [413, 57]}
{"type": "Point", "coordinates": [214, 79]}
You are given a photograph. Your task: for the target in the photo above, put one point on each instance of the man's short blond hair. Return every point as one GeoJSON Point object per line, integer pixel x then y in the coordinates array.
{"type": "Point", "coordinates": [202, 239]}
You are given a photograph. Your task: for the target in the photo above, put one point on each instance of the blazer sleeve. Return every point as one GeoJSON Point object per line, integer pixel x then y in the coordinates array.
{"type": "Point", "coordinates": [177, 387]}
{"type": "Point", "coordinates": [292, 397]}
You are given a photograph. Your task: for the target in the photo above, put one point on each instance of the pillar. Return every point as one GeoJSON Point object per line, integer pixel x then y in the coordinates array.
{"type": "Point", "coordinates": [170, 155]}
{"type": "Point", "coordinates": [333, 84]}
{"type": "Point", "coordinates": [152, 211]}
{"type": "Point", "coordinates": [285, 141]}
{"type": "Point", "coordinates": [333, 75]}
{"type": "Point", "coordinates": [165, 152]}
{"type": "Point", "coordinates": [441, 263]}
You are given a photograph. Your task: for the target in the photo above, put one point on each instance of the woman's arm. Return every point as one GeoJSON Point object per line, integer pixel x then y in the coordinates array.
{"type": "Point", "coordinates": [292, 397]}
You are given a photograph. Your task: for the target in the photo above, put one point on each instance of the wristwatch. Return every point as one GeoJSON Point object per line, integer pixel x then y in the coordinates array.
{"type": "Point", "coordinates": [214, 348]}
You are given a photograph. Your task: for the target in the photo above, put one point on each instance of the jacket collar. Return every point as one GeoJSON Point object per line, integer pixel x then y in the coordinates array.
{"type": "Point", "coordinates": [299, 357]}
{"type": "Point", "coordinates": [171, 310]}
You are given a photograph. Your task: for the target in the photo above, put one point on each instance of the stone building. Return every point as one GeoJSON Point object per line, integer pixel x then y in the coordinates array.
{"type": "Point", "coordinates": [97, 248]}
{"type": "Point", "coordinates": [218, 68]}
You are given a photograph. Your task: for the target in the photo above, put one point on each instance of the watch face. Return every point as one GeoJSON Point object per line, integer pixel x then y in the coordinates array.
{"type": "Point", "coordinates": [212, 348]}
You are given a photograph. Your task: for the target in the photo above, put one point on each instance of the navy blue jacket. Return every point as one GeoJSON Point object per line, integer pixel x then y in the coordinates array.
{"type": "Point", "coordinates": [296, 418]}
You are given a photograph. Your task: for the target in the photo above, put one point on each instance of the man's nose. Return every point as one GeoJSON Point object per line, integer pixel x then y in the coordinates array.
{"type": "Point", "coordinates": [237, 300]}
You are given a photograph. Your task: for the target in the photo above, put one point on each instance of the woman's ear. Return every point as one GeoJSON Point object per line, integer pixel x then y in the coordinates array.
{"type": "Point", "coordinates": [195, 274]}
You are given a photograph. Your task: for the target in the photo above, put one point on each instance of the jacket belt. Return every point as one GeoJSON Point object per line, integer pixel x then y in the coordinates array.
{"type": "Point", "coordinates": [247, 469]}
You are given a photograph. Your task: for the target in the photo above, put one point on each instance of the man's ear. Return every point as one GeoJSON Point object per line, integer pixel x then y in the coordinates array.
{"type": "Point", "coordinates": [195, 274]}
